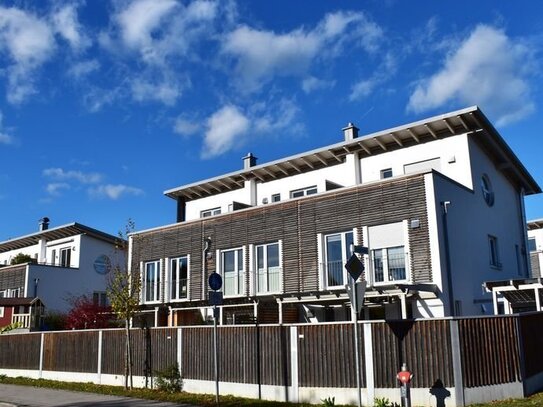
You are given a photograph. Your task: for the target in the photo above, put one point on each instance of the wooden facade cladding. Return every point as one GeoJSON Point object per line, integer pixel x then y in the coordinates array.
{"type": "Point", "coordinates": [12, 276]}
{"type": "Point", "coordinates": [296, 223]}
{"type": "Point", "coordinates": [20, 351]}
{"type": "Point", "coordinates": [534, 263]}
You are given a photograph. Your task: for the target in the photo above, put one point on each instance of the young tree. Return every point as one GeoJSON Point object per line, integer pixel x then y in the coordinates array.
{"type": "Point", "coordinates": [86, 314]}
{"type": "Point", "coordinates": [124, 294]}
{"type": "Point", "coordinates": [21, 258]}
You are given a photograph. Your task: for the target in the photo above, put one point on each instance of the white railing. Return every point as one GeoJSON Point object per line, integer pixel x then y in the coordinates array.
{"type": "Point", "coordinates": [22, 319]}
{"type": "Point", "coordinates": [269, 280]}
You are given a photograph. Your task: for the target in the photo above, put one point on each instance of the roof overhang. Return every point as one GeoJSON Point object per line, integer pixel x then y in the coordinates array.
{"type": "Point", "coordinates": [60, 232]}
{"type": "Point", "coordinates": [535, 224]}
{"type": "Point", "coordinates": [469, 120]}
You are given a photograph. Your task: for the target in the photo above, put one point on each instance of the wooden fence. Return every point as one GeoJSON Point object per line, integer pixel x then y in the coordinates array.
{"type": "Point", "coordinates": [466, 352]}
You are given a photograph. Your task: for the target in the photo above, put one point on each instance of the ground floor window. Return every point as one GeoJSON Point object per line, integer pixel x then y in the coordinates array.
{"type": "Point", "coordinates": [151, 281]}
{"type": "Point", "coordinates": [337, 250]}
{"type": "Point", "coordinates": [389, 264]}
{"type": "Point", "coordinates": [268, 268]}
{"type": "Point", "coordinates": [179, 278]}
{"type": "Point", "coordinates": [232, 271]}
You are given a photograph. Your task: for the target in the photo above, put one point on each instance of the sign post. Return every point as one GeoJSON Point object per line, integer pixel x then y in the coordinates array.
{"type": "Point", "coordinates": [355, 268]}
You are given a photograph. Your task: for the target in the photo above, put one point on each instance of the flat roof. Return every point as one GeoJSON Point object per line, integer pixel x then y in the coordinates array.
{"type": "Point", "coordinates": [469, 120]}
{"type": "Point", "coordinates": [59, 232]}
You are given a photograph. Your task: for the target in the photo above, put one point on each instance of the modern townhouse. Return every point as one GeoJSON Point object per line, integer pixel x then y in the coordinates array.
{"type": "Point", "coordinates": [66, 261]}
{"type": "Point", "coordinates": [439, 203]}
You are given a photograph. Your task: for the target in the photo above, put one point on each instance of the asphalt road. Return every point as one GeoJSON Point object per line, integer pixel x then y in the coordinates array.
{"type": "Point", "coordinates": [24, 396]}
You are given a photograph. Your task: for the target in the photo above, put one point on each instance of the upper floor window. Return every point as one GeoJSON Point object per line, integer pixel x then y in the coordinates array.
{"type": "Point", "coordinates": [179, 278]}
{"type": "Point", "coordinates": [337, 250]}
{"type": "Point", "coordinates": [297, 193]}
{"type": "Point", "coordinates": [65, 256]}
{"type": "Point", "coordinates": [389, 264]}
{"type": "Point", "coordinates": [268, 268]}
{"type": "Point", "coordinates": [532, 245]}
{"type": "Point", "coordinates": [210, 212]}
{"type": "Point", "coordinates": [232, 271]}
{"type": "Point", "coordinates": [386, 173]}
{"type": "Point", "coordinates": [99, 298]}
{"type": "Point", "coordinates": [151, 281]}
{"type": "Point", "coordinates": [486, 188]}
{"type": "Point", "coordinates": [276, 197]}
{"type": "Point", "coordinates": [493, 251]}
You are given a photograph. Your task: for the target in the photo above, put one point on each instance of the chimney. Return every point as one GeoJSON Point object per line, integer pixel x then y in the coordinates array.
{"type": "Point", "coordinates": [44, 224]}
{"type": "Point", "coordinates": [350, 132]}
{"type": "Point", "coordinates": [249, 161]}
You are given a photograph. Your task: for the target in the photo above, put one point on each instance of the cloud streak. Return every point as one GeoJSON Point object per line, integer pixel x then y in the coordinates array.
{"type": "Point", "coordinates": [114, 192]}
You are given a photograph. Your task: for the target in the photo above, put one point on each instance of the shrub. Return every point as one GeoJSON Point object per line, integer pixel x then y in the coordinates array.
{"type": "Point", "coordinates": [328, 402]}
{"type": "Point", "coordinates": [169, 379]}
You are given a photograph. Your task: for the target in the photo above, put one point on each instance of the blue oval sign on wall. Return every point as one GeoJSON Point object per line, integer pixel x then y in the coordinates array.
{"type": "Point", "coordinates": [102, 264]}
{"type": "Point", "coordinates": [215, 281]}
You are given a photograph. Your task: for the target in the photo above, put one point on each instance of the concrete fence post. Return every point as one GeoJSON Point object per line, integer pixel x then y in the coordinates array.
{"type": "Point", "coordinates": [42, 340]}
{"type": "Point", "coordinates": [294, 363]}
{"type": "Point", "coordinates": [99, 367]}
{"type": "Point", "coordinates": [180, 350]}
{"type": "Point", "coordinates": [368, 358]}
{"type": "Point", "coordinates": [456, 354]}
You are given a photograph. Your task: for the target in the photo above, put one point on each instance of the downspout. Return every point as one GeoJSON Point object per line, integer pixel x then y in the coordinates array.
{"type": "Point", "coordinates": [445, 210]}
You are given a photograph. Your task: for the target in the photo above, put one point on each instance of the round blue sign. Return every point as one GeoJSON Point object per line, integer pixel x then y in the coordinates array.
{"type": "Point", "coordinates": [102, 264]}
{"type": "Point", "coordinates": [215, 281]}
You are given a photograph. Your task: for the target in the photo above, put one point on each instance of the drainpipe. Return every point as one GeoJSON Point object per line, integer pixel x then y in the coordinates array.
{"type": "Point", "coordinates": [445, 210]}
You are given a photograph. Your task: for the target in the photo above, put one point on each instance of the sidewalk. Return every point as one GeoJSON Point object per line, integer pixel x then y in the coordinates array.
{"type": "Point", "coordinates": [24, 396]}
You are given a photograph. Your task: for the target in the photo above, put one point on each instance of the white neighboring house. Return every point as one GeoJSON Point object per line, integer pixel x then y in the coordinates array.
{"type": "Point", "coordinates": [535, 246]}
{"type": "Point", "coordinates": [67, 261]}
{"type": "Point", "coordinates": [438, 202]}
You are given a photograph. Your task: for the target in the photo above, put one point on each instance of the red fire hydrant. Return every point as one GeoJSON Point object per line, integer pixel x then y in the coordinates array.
{"type": "Point", "coordinates": [404, 376]}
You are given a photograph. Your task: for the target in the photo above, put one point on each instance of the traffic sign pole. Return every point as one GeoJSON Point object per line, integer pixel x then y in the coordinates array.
{"type": "Point", "coordinates": [354, 309]}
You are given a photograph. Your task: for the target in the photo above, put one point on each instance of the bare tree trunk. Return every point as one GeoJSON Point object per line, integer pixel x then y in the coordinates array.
{"type": "Point", "coordinates": [129, 354]}
{"type": "Point", "coordinates": [126, 355]}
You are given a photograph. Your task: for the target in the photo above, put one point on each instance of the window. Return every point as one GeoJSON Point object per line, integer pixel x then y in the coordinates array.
{"type": "Point", "coordinates": [389, 264]}
{"type": "Point", "coordinates": [53, 257]}
{"type": "Point", "coordinates": [179, 278]}
{"type": "Point", "coordinates": [297, 193]}
{"type": "Point", "coordinates": [65, 256]}
{"type": "Point", "coordinates": [337, 252]}
{"type": "Point", "coordinates": [486, 188]}
{"type": "Point", "coordinates": [268, 268]}
{"type": "Point", "coordinates": [210, 212]}
{"type": "Point", "coordinates": [232, 272]}
{"type": "Point", "coordinates": [3, 293]}
{"type": "Point", "coordinates": [1, 312]}
{"type": "Point", "coordinates": [386, 173]}
{"type": "Point", "coordinates": [531, 244]}
{"type": "Point", "coordinates": [151, 282]}
{"type": "Point", "coordinates": [276, 197]}
{"type": "Point", "coordinates": [493, 251]}
{"type": "Point", "coordinates": [100, 298]}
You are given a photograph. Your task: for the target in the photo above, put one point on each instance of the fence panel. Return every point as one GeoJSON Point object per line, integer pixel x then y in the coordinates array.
{"type": "Point", "coordinates": [326, 356]}
{"type": "Point", "coordinates": [531, 333]}
{"type": "Point", "coordinates": [489, 351]}
{"type": "Point", "coordinates": [197, 353]}
{"type": "Point", "coordinates": [20, 351]}
{"type": "Point", "coordinates": [75, 351]}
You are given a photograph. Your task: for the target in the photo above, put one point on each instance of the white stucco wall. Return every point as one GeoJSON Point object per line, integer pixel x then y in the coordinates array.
{"type": "Point", "coordinates": [222, 201]}
{"type": "Point", "coordinates": [470, 222]}
{"type": "Point", "coordinates": [537, 234]}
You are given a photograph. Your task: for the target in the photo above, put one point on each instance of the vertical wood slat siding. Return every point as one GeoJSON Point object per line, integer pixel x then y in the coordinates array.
{"type": "Point", "coordinates": [20, 351]}
{"type": "Point", "coordinates": [71, 351]}
{"type": "Point", "coordinates": [489, 351]}
{"type": "Point", "coordinates": [326, 356]}
{"type": "Point", "coordinates": [12, 276]}
{"type": "Point", "coordinates": [297, 223]}
{"type": "Point", "coordinates": [425, 348]}
{"type": "Point", "coordinates": [531, 327]}
{"type": "Point", "coordinates": [536, 267]}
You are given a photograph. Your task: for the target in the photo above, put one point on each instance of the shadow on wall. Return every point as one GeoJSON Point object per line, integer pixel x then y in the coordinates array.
{"type": "Point", "coordinates": [439, 391]}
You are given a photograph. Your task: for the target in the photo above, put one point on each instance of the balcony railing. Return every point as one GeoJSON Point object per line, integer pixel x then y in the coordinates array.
{"type": "Point", "coordinates": [391, 266]}
{"type": "Point", "coordinates": [25, 320]}
{"type": "Point", "coordinates": [269, 280]}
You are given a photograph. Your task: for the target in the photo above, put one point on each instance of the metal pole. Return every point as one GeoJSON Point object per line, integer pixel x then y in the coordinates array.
{"type": "Point", "coordinates": [356, 345]}
{"type": "Point", "coordinates": [215, 354]}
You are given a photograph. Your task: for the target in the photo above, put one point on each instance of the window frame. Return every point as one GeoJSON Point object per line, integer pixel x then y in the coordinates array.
{"type": "Point", "coordinates": [171, 280]}
{"type": "Point", "coordinates": [62, 259]}
{"type": "Point", "coordinates": [276, 198]}
{"type": "Point", "coordinates": [386, 173]}
{"type": "Point", "coordinates": [532, 242]}
{"type": "Point", "coordinates": [206, 213]}
{"type": "Point", "coordinates": [239, 273]}
{"type": "Point", "coordinates": [385, 264]}
{"type": "Point", "coordinates": [487, 190]}
{"type": "Point", "coordinates": [494, 252]}
{"type": "Point", "coordinates": [156, 282]}
{"type": "Point", "coordinates": [345, 254]}
{"type": "Point", "coordinates": [1, 312]}
{"type": "Point", "coordinates": [257, 269]}
{"type": "Point", "coordinates": [305, 191]}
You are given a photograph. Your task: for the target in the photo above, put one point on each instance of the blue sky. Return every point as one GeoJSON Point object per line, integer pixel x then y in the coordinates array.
{"type": "Point", "coordinates": [106, 104]}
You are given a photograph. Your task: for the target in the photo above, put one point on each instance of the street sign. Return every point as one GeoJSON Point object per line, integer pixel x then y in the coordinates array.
{"type": "Point", "coordinates": [355, 267]}
{"type": "Point", "coordinates": [360, 289]}
{"type": "Point", "coordinates": [215, 297]}
{"type": "Point", "coordinates": [215, 281]}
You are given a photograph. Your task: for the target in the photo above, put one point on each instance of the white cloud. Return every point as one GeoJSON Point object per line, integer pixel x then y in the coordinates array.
{"type": "Point", "coordinates": [114, 191]}
{"type": "Point", "coordinates": [224, 127]}
{"type": "Point", "coordinates": [5, 138]}
{"type": "Point", "coordinates": [186, 127]}
{"type": "Point", "coordinates": [230, 127]}
{"type": "Point", "coordinates": [82, 177]}
{"type": "Point", "coordinates": [166, 92]}
{"type": "Point", "coordinates": [260, 55]}
{"type": "Point", "coordinates": [29, 42]}
{"type": "Point", "coordinates": [56, 188]}
{"type": "Point", "coordinates": [311, 84]}
{"type": "Point", "coordinates": [384, 71]}
{"type": "Point", "coordinates": [64, 21]}
{"type": "Point", "coordinates": [83, 68]}
{"type": "Point", "coordinates": [488, 69]}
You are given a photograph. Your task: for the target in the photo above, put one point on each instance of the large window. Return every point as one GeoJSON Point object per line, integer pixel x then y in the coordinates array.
{"type": "Point", "coordinates": [493, 251]}
{"type": "Point", "coordinates": [179, 278]}
{"type": "Point", "coordinates": [389, 264]}
{"type": "Point", "coordinates": [232, 272]}
{"type": "Point", "coordinates": [298, 193]}
{"type": "Point", "coordinates": [337, 252]}
{"type": "Point", "coordinates": [268, 268]}
{"type": "Point", "coordinates": [65, 257]}
{"type": "Point", "coordinates": [210, 212]}
{"type": "Point", "coordinates": [531, 244]}
{"type": "Point", "coordinates": [151, 282]}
